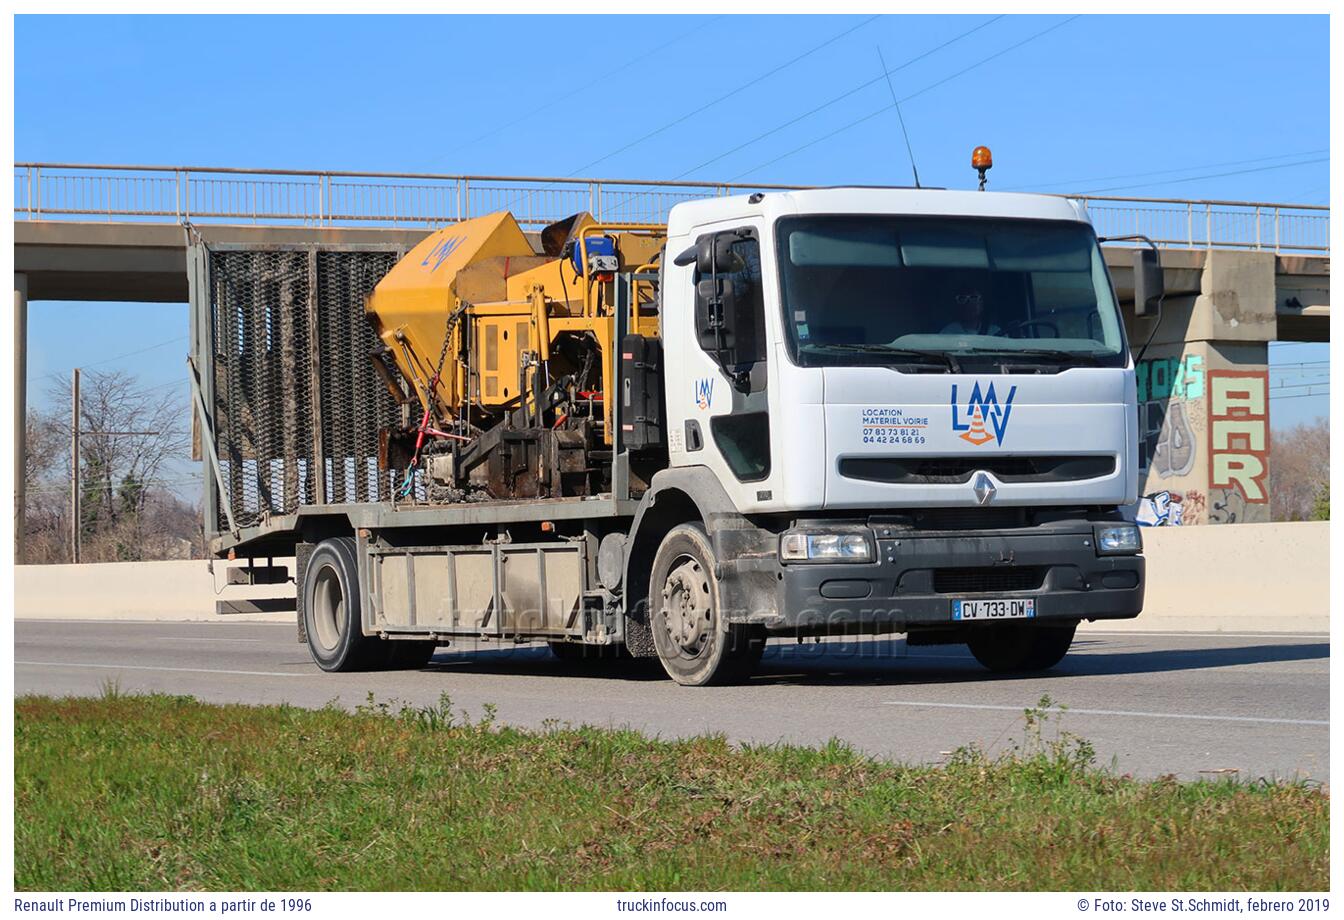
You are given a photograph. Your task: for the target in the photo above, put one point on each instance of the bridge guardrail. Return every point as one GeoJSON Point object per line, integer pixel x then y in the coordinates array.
{"type": "Point", "coordinates": [57, 191]}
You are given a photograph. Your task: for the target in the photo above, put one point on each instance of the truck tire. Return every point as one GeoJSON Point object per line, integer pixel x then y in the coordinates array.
{"type": "Point", "coordinates": [332, 610]}
{"type": "Point", "coordinates": [1007, 647]}
{"type": "Point", "coordinates": [695, 644]}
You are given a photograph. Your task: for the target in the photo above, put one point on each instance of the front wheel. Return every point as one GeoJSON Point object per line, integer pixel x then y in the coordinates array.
{"type": "Point", "coordinates": [695, 642]}
{"type": "Point", "coordinates": [1008, 647]}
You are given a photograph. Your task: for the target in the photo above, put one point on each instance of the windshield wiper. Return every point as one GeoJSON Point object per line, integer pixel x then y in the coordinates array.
{"type": "Point", "coordinates": [941, 357]}
{"type": "Point", "coordinates": [1083, 357]}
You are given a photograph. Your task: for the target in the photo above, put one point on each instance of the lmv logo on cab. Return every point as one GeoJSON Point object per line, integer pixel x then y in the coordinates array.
{"type": "Point", "coordinates": [983, 418]}
{"type": "Point", "coordinates": [704, 392]}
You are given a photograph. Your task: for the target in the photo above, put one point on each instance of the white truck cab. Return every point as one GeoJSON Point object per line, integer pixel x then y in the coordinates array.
{"type": "Point", "coordinates": [896, 410]}
{"type": "Point", "coordinates": [871, 384]}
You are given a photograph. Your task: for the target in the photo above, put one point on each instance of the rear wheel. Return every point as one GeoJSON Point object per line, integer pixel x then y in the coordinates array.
{"type": "Point", "coordinates": [331, 609]}
{"type": "Point", "coordinates": [695, 643]}
{"type": "Point", "coordinates": [333, 617]}
{"type": "Point", "coordinates": [1008, 647]}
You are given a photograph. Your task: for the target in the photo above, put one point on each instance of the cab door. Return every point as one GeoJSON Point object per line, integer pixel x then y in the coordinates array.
{"type": "Point", "coordinates": [719, 404]}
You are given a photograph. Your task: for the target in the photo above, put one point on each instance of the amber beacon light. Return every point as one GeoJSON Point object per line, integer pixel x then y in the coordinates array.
{"type": "Point", "coordinates": [982, 160]}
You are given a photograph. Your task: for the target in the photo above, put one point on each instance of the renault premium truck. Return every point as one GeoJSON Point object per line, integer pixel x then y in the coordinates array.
{"type": "Point", "coordinates": [839, 411]}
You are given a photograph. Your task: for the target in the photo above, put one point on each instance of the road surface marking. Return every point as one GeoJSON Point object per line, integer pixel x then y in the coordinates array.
{"type": "Point", "coordinates": [146, 667]}
{"type": "Point", "coordinates": [210, 639]}
{"type": "Point", "coordinates": [1111, 712]}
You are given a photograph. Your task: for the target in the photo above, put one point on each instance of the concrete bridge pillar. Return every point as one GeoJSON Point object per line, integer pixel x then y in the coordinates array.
{"type": "Point", "coordinates": [1203, 388]}
{"type": "Point", "coordinates": [20, 413]}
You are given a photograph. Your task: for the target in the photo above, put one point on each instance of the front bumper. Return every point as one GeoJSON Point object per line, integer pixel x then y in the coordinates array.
{"type": "Point", "coordinates": [918, 575]}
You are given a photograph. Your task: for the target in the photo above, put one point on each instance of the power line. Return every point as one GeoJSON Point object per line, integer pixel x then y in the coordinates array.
{"type": "Point", "coordinates": [1163, 172]}
{"type": "Point", "coordinates": [139, 351]}
{"type": "Point", "coordinates": [137, 390]}
{"type": "Point", "coordinates": [913, 95]}
{"type": "Point", "coordinates": [728, 95]}
{"type": "Point", "coordinates": [587, 86]}
{"type": "Point", "coordinates": [1235, 172]}
{"type": "Point", "coordinates": [1281, 385]}
{"type": "Point", "coordinates": [845, 95]}
{"type": "Point", "coordinates": [130, 354]}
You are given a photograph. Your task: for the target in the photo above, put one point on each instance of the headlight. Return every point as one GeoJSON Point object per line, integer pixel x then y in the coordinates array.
{"type": "Point", "coordinates": [826, 547]}
{"type": "Point", "coordinates": [1118, 540]}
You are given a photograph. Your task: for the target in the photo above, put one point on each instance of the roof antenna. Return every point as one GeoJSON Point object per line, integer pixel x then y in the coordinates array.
{"type": "Point", "coordinates": [896, 102]}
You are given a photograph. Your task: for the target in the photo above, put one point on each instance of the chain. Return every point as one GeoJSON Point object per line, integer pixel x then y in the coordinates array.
{"type": "Point", "coordinates": [448, 325]}
{"type": "Point", "coordinates": [430, 392]}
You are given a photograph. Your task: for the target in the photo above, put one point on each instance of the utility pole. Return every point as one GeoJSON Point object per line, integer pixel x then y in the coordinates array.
{"type": "Point", "coordinates": [76, 522]}
{"type": "Point", "coordinates": [74, 468]}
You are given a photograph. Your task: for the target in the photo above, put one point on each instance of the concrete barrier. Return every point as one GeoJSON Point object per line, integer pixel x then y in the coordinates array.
{"type": "Point", "coordinates": [1224, 578]}
{"type": "Point", "coordinates": [1235, 578]}
{"type": "Point", "coordinates": [177, 590]}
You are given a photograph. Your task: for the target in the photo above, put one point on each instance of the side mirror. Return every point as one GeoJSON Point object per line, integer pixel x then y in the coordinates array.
{"type": "Point", "coordinates": [716, 316]}
{"type": "Point", "coordinates": [714, 253]}
{"type": "Point", "coordinates": [1148, 282]}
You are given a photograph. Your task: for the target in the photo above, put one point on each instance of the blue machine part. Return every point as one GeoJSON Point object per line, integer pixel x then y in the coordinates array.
{"type": "Point", "coordinates": [597, 246]}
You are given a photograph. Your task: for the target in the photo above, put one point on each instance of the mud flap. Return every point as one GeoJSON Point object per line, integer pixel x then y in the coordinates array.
{"type": "Point", "coordinates": [301, 553]}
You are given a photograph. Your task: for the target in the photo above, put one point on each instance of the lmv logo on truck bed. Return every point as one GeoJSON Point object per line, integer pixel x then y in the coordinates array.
{"type": "Point", "coordinates": [442, 251]}
{"type": "Point", "coordinates": [982, 408]}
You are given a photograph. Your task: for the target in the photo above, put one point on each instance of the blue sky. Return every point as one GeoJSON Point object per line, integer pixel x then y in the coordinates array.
{"type": "Point", "coordinates": [1173, 98]}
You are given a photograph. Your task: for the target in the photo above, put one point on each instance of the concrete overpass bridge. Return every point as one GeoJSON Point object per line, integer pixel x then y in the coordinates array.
{"type": "Point", "coordinates": [1239, 274]}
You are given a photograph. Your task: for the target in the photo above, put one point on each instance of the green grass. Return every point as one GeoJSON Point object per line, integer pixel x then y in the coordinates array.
{"type": "Point", "coordinates": [157, 792]}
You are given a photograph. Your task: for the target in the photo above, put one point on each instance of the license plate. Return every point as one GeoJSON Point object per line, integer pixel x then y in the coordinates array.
{"type": "Point", "coordinates": [1012, 608]}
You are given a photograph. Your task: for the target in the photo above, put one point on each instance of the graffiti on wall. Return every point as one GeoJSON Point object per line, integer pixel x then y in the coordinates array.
{"type": "Point", "coordinates": [1171, 378]}
{"type": "Point", "coordinates": [1229, 507]}
{"type": "Point", "coordinates": [1171, 446]}
{"type": "Point", "coordinates": [1168, 508]}
{"type": "Point", "coordinates": [1160, 509]}
{"type": "Point", "coordinates": [1167, 440]}
{"type": "Point", "coordinates": [1239, 436]}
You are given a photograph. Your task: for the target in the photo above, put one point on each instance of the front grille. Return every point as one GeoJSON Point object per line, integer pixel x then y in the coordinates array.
{"type": "Point", "coordinates": [969, 518]}
{"type": "Point", "coordinates": [959, 469]}
{"type": "Point", "coordinates": [988, 580]}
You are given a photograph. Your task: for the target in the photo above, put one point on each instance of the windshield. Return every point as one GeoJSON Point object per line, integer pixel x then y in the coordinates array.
{"type": "Point", "coordinates": [943, 292]}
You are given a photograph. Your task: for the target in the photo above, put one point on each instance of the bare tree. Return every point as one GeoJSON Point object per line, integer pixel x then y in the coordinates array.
{"type": "Point", "coordinates": [44, 446]}
{"type": "Point", "coordinates": [128, 508]}
{"type": "Point", "coordinates": [1299, 470]}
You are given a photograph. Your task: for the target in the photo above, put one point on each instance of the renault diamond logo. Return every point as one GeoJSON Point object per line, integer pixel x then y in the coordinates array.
{"type": "Point", "coordinates": [984, 489]}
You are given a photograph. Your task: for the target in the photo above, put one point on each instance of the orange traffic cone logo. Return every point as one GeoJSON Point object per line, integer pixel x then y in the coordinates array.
{"type": "Point", "coordinates": [983, 418]}
{"type": "Point", "coordinates": [977, 434]}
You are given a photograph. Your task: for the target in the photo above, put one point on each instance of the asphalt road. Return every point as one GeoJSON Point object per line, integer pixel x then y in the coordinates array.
{"type": "Point", "coordinates": [1152, 704]}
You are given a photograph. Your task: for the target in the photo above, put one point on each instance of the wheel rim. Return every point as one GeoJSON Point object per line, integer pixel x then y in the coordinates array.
{"type": "Point", "coordinates": [328, 608]}
{"type": "Point", "coordinates": [687, 609]}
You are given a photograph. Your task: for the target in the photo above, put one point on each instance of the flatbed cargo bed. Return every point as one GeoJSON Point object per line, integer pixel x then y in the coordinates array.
{"type": "Point", "coordinates": [286, 528]}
